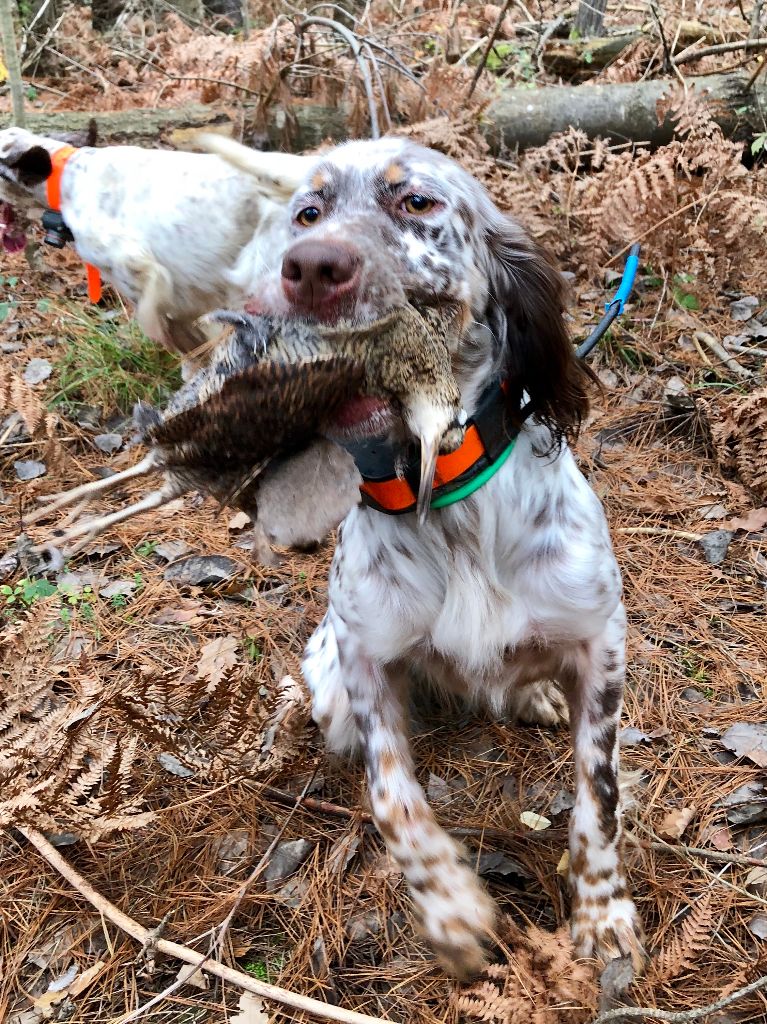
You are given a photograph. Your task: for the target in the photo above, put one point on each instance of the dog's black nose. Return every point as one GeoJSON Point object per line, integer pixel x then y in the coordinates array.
{"type": "Point", "coordinates": [319, 277]}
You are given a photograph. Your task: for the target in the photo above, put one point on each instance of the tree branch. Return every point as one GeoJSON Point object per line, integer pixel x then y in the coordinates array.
{"type": "Point", "coordinates": [189, 956]}
{"type": "Point", "coordinates": [679, 1016]}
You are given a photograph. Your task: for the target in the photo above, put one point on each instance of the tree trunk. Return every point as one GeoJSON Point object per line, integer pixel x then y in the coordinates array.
{"type": "Point", "coordinates": [590, 17]}
{"type": "Point", "coordinates": [104, 13]}
{"type": "Point", "coordinates": [11, 53]}
{"type": "Point", "coordinates": [518, 118]}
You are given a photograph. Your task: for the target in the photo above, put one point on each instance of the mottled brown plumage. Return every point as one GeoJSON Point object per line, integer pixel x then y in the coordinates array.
{"type": "Point", "coordinates": [268, 394]}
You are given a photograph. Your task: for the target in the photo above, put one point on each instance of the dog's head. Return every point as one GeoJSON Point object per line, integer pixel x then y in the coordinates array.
{"type": "Point", "coordinates": [377, 223]}
{"type": "Point", "coordinates": [25, 166]}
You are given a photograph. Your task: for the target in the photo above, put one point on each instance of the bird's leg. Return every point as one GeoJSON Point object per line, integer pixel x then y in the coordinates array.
{"type": "Point", "coordinates": [93, 527]}
{"type": "Point", "coordinates": [90, 490]}
{"type": "Point", "coordinates": [430, 422]}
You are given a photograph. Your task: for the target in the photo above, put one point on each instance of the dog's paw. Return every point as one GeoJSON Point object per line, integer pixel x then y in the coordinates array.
{"type": "Point", "coordinates": [457, 918]}
{"type": "Point", "coordinates": [605, 932]}
{"type": "Point", "coordinates": [541, 703]}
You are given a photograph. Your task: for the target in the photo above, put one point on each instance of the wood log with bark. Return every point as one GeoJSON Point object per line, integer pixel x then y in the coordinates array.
{"type": "Point", "coordinates": [517, 118]}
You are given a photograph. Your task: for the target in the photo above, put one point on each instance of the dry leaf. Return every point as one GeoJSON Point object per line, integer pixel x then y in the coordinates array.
{"type": "Point", "coordinates": [563, 867]}
{"type": "Point", "coordinates": [751, 522]}
{"type": "Point", "coordinates": [217, 658]}
{"type": "Point", "coordinates": [251, 1009]}
{"type": "Point", "coordinates": [756, 879]}
{"type": "Point", "coordinates": [67, 986]}
{"type": "Point", "coordinates": [239, 521]}
{"type": "Point", "coordinates": [191, 975]}
{"type": "Point", "coordinates": [747, 739]}
{"type": "Point", "coordinates": [675, 822]}
{"type": "Point", "coordinates": [537, 822]}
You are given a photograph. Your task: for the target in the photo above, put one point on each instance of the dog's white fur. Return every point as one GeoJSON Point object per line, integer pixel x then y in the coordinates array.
{"type": "Point", "coordinates": [179, 234]}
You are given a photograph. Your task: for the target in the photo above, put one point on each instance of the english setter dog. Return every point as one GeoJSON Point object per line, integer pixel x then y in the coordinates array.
{"type": "Point", "coordinates": [511, 595]}
{"type": "Point", "coordinates": [178, 234]}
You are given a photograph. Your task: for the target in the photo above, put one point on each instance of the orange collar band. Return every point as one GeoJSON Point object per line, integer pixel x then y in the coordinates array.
{"type": "Point", "coordinates": [58, 163]}
{"type": "Point", "coordinates": [390, 474]}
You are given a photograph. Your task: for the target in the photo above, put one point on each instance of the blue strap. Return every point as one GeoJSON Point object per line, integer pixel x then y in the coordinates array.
{"type": "Point", "coordinates": [627, 281]}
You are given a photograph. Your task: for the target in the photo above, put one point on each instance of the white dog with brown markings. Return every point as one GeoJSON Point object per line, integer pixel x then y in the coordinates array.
{"type": "Point", "coordinates": [178, 234]}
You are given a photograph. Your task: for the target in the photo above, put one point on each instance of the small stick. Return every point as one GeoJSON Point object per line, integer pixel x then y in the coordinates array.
{"type": "Point", "coordinates": [723, 355]}
{"type": "Point", "coordinates": [710, 51]}
{"type": "Point", "coordinates": [53, 502]}
{"type": "Point", "coordinates": [490, 43]}
{"type": "Point", "coordinates": [756, 18]}
{"type": "Point", "coordinates": [189, 956]}
{"type": "Point", "coordinates": [217, 940]}
{"type": "Point", "coordinates": [355, 45]}
{"type": "Point", "coordinates": [680, 1016]}
{"type": "Point", "coordinates": [741, 860]}
{"type": "Point", "coordinates": [658, 531]}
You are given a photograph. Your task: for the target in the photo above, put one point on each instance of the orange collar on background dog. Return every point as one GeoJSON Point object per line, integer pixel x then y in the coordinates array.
{"type": "Point", "coordinates": [390, 473]}
{"type": "Point", "coordinates": [58, 163]}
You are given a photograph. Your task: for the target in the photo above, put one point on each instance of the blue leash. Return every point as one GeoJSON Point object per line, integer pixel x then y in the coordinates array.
{"type": "Point", "coordinates": [614, 308]}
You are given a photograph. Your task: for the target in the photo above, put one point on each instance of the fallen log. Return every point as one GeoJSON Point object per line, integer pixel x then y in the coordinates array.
{"type": "Point", "coordinates": [134, 127]}
{"type": "Point", "coordinates": [517, 118]}
{"type": "Point", "coordinates": [520, 118]}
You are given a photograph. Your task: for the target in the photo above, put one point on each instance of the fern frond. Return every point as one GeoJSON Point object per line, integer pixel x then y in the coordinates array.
{"type": "Point", "coordinates": [680, 952]}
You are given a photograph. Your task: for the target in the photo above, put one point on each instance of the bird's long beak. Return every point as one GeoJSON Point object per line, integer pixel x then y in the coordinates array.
{"type": "Point", "coordinates": [429, 453]}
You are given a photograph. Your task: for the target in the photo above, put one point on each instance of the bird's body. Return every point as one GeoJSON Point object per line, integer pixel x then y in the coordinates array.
{"type": "Point", "coordinates": [235, 430]}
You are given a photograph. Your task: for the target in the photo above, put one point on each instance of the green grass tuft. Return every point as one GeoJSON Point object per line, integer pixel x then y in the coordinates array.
{"type": "Point", "coordinates": [108, 362]}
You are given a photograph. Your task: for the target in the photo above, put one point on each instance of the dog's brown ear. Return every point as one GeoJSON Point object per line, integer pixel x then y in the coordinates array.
{"type": "Point", "coordinates": [525, 310]}
{"type": "Point", "coordinates": [33, 166]}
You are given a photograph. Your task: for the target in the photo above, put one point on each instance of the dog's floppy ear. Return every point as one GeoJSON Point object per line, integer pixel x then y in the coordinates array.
{"type": "Point", "coordinates": [33, 167]}
{"type": "Point", "coordinates": [22, 155]}
{"type": "Point", "coordinates": [525, 310]}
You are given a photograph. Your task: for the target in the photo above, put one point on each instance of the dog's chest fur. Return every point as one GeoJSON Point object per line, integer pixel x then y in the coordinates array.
{"type": "Point", "coordinates": [511, 567]}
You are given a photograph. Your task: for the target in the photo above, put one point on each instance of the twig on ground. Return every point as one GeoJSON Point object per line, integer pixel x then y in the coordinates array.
{"type": "Point", "coordinates": [761, 64]}
{"type": "Point", "coordinates": [667, 61]}
{"type": "Point", "coordinates": [739, 859]}
{"type": "Point", "coordinates": [355, 45]}
{"type": "Point", "coordinates": [756, 18]}
{"type": "Point", "coordinates": [486, 52]}
{"type": "Point", "coordinates": [218, 934]}
{"type": "Point", "coordinates": [547, 33]}
{"type": "Point", "coordinates": [657, 531]}
{"type": "Point", "coordinates": [710, 51]}
{"type": "Point", "coordinates": [679, 1016]}
{"type": "Point", "coordinates": [189, 956]}
{"type": "Point", "coordinates": [723, 355]}
{"type": "Point", "coordinates": [185, 78]}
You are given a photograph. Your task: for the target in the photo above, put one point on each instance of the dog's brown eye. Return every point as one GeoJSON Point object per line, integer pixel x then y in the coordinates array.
{"type": "Point", "coordinates": [418, 204]}
{"type": "Point", "coordinates": [308, 216]}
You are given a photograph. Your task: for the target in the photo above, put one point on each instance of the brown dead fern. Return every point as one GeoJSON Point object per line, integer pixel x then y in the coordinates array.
{"type": "Point", "coordinates": [682, 949]}
{"type": "Point", "coordinates": [16, 396]}
{"type": "Point", "coordinates": [738, 430]}
{"type": "Point", "coordinates": [541, 983]}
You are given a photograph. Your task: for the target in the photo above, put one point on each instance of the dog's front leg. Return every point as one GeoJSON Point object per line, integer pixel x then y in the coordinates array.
{"type": "Point", "coordinates": [605, 923]}
{"type": "Point", "coordinates": [455, 912]}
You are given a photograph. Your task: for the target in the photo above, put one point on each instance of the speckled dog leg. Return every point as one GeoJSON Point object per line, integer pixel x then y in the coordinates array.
{"type": "Point", "coordinates": [455, 913]}
{"type": "Point", "coordinates": [605, 923]}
